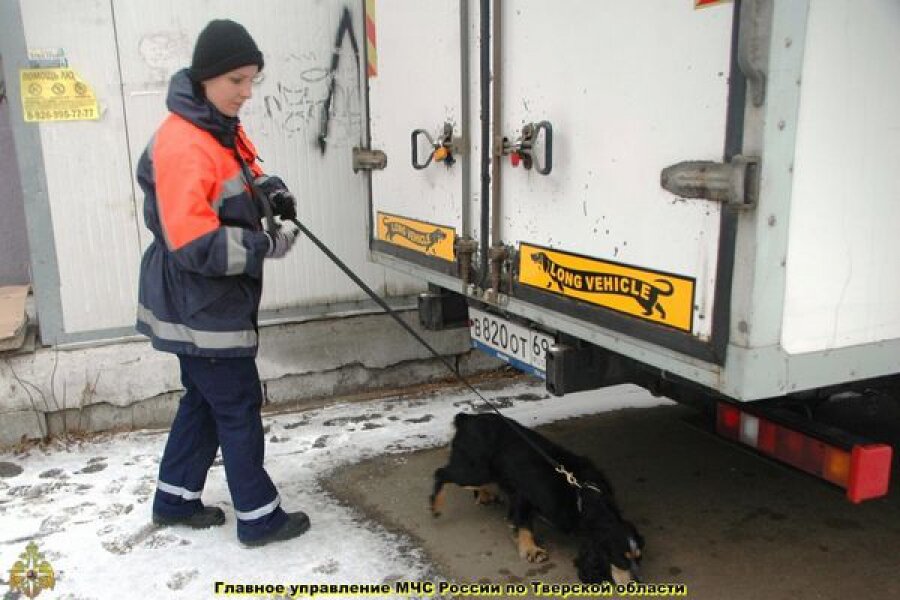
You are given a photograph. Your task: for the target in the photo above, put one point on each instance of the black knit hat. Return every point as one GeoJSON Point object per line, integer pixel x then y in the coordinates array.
{"type": "Point", "coordinates": [223, 46]}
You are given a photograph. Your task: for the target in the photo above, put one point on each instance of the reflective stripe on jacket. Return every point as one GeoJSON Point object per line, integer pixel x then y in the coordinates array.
{"type": "Point", "coordinates": [201, 276]}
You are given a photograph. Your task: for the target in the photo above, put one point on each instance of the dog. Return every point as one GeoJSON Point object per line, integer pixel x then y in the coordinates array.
{"type": "Point", "coordinates": [490, 449]}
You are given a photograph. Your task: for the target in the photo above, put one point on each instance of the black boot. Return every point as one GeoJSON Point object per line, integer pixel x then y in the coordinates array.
{"type": "Point", "coordinates": [296, 525]}
{"type": "Point", "coordinates": [210, 516]}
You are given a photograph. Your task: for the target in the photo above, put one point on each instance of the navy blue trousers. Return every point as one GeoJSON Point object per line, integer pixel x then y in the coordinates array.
{"type": "Point", "coordinates": [220, 407]}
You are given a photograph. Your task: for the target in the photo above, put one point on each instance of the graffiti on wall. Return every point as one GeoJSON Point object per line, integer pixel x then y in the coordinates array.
{"type": "Point", "coordinates": [297, 104]}
{"type": "Point", "coordinates": [315, 94]}
{"type": "Point", "coordinates": [164, 53]}
{"type": "Point", "coordinates": [327, 100]}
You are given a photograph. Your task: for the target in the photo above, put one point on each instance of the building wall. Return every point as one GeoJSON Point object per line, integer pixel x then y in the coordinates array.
{"type": "Point", "coordinates": [14, 262]}
{"type": "Point", "coordinates": [70, 185]}
{"type": "Point", "coordinates": [85, 207]}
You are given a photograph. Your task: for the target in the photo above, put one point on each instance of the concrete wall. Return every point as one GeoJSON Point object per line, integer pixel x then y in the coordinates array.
{"type": "Point", "coordinates": [130, 385]}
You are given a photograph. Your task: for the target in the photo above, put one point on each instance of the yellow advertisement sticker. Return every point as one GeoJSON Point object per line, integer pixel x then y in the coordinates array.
{"type": "Point", "coordinates": [649, 295]}
{"type": "Point", "coordinates": [427, 238]}
{"type": "Point", "coordinates": [56, 95]}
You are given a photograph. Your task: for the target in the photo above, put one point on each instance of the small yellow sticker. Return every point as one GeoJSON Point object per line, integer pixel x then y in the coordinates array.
{"type": "Point", "coordinates": [56, 95]}
{"type": "Point", "coordinates": [427, 238]}
{"type": "Point", "coordinates": [650, 295]}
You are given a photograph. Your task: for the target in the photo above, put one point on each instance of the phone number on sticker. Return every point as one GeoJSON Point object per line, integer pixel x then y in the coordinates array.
{"type": "Point", "coordinates": [58, 114]}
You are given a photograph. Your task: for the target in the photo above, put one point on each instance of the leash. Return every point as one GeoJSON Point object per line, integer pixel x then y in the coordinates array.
{"type": "Point", "coordinates": [558, 467]}
{"type": "Point", "coordinates": [271, 227]}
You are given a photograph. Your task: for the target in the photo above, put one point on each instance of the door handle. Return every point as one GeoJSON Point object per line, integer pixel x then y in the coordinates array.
{"type": "Point", "coordinates": [444, 147]}
{"type": "Point", "coordinates": [533, 148]}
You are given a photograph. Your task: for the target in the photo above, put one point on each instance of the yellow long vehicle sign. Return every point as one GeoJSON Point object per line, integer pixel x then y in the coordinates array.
{"type": "Point", "coordinates": [427, 238]}
{"type": "Point", "coordinates": [650, 295]}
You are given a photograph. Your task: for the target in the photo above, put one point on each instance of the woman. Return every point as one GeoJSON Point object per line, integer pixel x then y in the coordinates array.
{"type": "Point", "coordinates": [201, 282]}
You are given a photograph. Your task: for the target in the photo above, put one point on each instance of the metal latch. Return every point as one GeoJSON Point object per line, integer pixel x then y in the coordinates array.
{"type": "Point", "coordinates": [365, 159]}
{"type": "Point", "coordinates": [735, 183]}
{"type": "Point", "coordinates": [442, 148]}
{"type": "Point", "coordinates": [533, 148]}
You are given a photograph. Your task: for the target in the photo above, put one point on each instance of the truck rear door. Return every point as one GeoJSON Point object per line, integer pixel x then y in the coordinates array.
{"type": "Point", "coordinates": [414, 75]}
{"type": "Point", "coordinates": [628, 88]}
{"type": "Point", "coordinates": [613, 93]}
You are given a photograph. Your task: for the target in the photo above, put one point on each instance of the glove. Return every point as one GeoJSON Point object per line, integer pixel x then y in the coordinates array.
{"type": "Point", "coordinates": [283, 204]}
{"type": "Point", "coordinates": [282, 240]}
{"type": "Point", "coordinates": [280, 198]}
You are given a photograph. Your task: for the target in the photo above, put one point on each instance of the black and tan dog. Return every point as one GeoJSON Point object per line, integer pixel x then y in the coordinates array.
{"type": "Point", "coordinates": [487, 450]}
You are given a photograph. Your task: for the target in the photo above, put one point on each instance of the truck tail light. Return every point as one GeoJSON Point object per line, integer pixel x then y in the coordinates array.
{"type": "Point", "coordinates": [860, 467]}
{"type": "Point", "coordinates": [870, 472]}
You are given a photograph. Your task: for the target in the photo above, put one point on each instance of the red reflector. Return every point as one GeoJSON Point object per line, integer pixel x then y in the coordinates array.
{"type": "Point", "coordinates": [789, 446]}
{"type": "Point", "coordinates": [814, 456]}
{"type": "Point", "coordinates": [870, 471]}
{"type": "Point", "coordinates": [799, 450]}
{"type": "Point", "coordinates": [728, 421]}
{"type": "Point", "coordinates": [766, 441]}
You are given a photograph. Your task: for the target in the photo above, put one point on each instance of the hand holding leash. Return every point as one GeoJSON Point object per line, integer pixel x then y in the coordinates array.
{"type": "Point", "coordinates": [280, 198]}
{"type": "Point", "coordinates": [282, 239]}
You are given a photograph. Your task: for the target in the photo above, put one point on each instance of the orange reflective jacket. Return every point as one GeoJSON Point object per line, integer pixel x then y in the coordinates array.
{"type": "Point", "coordinates": [201, 277]}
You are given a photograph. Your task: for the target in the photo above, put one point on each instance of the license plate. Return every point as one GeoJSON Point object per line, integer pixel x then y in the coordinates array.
{"type": "Point", "coordinates": [520, 346]}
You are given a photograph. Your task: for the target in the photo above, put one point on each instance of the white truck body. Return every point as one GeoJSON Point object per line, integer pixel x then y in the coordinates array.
{"type": "Point", "coordinates": [788, 284]}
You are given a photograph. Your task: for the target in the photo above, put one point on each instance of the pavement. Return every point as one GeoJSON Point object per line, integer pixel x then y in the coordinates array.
{"type": "Point", "coordinates": [717, 518]}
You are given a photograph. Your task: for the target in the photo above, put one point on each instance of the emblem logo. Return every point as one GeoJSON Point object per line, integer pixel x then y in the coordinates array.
{"type": "Point", "coordinates": [31, 574]}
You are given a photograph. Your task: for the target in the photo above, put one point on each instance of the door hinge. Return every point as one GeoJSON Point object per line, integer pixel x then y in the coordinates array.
{"type": "Point", "coordinates": [754, 33]}
{"type": "Point", "coordinates": [735, 183]}
{"type": "Point", "coordinates": [365, 159]}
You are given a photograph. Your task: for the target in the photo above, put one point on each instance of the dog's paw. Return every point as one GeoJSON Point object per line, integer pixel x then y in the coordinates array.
{"type": "Point", "coordinates": [435, 504]}
{"type": "Point", "coordinates": [528, 548]}
{"type": "Point", "coordinates": [534, 554]}
{"type": "Point", "coordinates": [485, 496]}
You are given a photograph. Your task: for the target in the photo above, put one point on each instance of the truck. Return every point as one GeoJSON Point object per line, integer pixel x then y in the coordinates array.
{"type": "Point", "coordinates": [688, 195]}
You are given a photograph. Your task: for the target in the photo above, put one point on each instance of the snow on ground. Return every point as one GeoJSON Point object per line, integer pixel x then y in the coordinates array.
{"type": "Point", "coordinates": [88, 506]}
